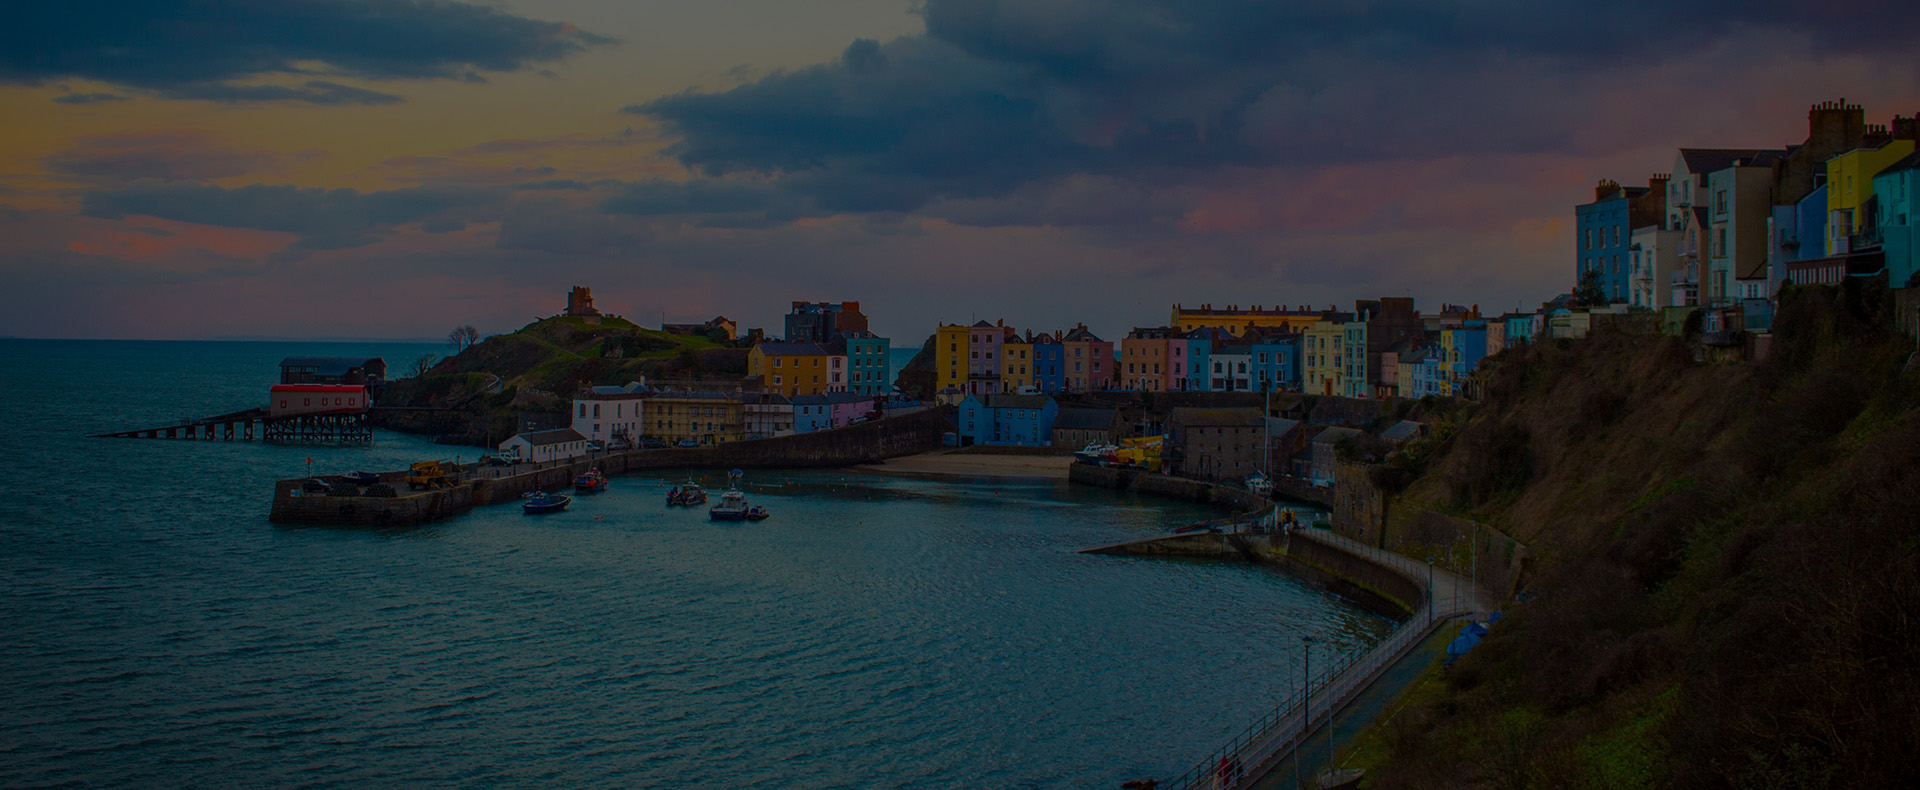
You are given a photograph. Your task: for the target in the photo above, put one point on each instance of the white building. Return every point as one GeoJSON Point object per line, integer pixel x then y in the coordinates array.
{"type": "Point", "coordinates": [542, 446]}
{"type": "Point", "coordinates": [1653, 258]}
{"type": "Point", "coordinates": [608, 413]}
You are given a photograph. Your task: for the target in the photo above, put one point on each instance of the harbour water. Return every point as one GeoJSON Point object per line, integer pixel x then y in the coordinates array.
{"type": "Point", "coordinates": [876, 632]}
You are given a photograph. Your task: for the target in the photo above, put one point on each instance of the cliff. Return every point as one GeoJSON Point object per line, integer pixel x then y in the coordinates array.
{"type": "Point", "coordinates": [1722, 560]}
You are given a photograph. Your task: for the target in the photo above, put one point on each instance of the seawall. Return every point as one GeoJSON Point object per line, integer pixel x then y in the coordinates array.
{"type": "Point", "coordinates": [1378, 588]}
{"type": "Point", "coordinates": [1227, 498]}
{"type": "Point", "coordinates": [478, 486]}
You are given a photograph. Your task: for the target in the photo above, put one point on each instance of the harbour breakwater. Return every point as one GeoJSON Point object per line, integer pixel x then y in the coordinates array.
{"type": "Point", "coordinates": [478, 486]}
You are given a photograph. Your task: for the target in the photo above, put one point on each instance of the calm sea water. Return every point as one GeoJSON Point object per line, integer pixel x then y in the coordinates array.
{"type": "Point", "coordinates": [876, 632]}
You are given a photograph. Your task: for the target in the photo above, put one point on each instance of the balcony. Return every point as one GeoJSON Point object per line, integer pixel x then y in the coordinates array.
{"type": "Point", "coordinates": [1866, 239]}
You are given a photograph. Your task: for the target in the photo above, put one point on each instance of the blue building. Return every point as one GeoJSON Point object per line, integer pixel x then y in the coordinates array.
{"type": "Point", "coordinates": [1199, 349]}
{"type": "Point", "coordinates": [1049, 364]}
{"type": "Point", "coordinates": [1896, 190]}
{"type": "Point", "coordinates": [1275, 363]}
{"type": "Point", "coordinates": [868, 369]}
{"type": "Point", "coordinates": [1429, 374]}
{"type": "Point", "coordinates": [1603, 230]}
{"type": "Point", "coordinates": [1020, 420]}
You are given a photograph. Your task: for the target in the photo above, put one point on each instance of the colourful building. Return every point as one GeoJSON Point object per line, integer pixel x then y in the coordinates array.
{"type": "Point", "coordinates": [1020, 420]}
{"type": "Point", "coordinates": [704, 417]}
{"type": "Point", "coordinates": [1461, 351]}
{"type": "Point", "coordinates": [1151, 359]}
{"type": "Point", "coordinates": [950, 348]}
{"type": "Point", "coordinates": [1850, 179]}
{"type": "Point", "coordinates": [1275, 362]}
{"type": "Point", "coordinates": [1354, 381]}
{"type": "Point", "coordinates": [1230, 367]}
{"type": "Point", "coordinates": [1897, 190]}
{"type": "Point", "coordinates": [1049, 363]}
{"type": "Point", "coordinates": [1199, 351]}
{"type": "Point", "coordinates": [797, 368]}
{"type": "Point", "coordinates": [1016, 364]}
{"type": "Point", "coordinates": [983, 357]}
{"type": "Point", "coordinates": [1089, 361]}
{"type": "Point", "coordinates": [1323, 358]}
{"type": "Point", "coordinates": [1237, 322]}
{"type": "Point", "coordinates": [869, 372]}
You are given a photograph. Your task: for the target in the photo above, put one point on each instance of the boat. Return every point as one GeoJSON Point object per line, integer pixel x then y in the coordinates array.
{"type": "Point", "coordinates": [590, 482]}
{"type": "Point", "coordinates": [362, 478]}
{"type": "Point", "coordinates": [1260, 484]}
{"type": "Point", "coordinates": [732, 507]}
{"type": "Point", "coordinates": [733, 503]}
{"type": "Point", "coordinates": [543, 502]}
{"type": "Point", "coordinates": [757, 513]}
{"type": "Point", "coordinates": [687, 494]}
{"type": "Point", "coordinates": [1094, 453]}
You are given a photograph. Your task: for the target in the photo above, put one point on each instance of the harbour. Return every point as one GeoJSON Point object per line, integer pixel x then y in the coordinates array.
{"type": "Point", "coordinates": [940, 632]}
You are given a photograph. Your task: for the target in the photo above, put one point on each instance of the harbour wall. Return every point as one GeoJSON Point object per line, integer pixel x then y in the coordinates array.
{"type": "Point", "coordinates": [478, 486]}
{"type": "Point", "coordinates": [1227, 498]}
{"type": "Point", "coordinates": [1376, 587]}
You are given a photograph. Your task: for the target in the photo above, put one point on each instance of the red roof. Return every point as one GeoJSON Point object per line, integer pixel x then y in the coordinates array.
{"type": "Point", "coordinates": [319, 388]}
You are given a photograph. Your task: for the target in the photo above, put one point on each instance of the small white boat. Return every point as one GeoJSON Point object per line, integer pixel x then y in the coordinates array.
{"type": "Point", "coordinates": [1260, 484]}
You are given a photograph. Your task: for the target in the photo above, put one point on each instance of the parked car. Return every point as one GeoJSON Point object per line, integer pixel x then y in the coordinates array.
{"type": "Point", "coordinates": [618, 445]}
{"type": "Point", "coordinates": [651, 443]}
{"type": "Point", "coordinates": [494, 460]}
{"type": "Point", "coordinates": [687, 443]}
{"type": "Point", "coordinates": [314, 485]}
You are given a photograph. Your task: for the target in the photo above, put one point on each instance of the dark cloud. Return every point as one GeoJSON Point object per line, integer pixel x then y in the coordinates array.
{"type": "Point", "coordinates": [1002, 101]}
{"type": "Point", "coordinates": [311, 92]}
{"type": "Point", "coordinates": [202, 49]}
{"type": "Point", "coordinates": [726, 202]}
{"type": "Point", "coordinates": [88, 98]}
{"type": "Point", "coordinates": [323, 218]}
{"type": "Point", "coordinates": [166, 155]}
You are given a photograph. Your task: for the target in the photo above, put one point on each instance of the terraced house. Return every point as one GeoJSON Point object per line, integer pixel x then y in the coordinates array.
{"type": "Point", "coordinates": [797, 368]}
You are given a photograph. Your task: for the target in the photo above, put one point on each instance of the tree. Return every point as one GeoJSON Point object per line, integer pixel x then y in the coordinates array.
{"type": "Point", "coordinates": [1589, 293]}
{"type": "Point", "coordinates": [463, 338]}
{"type": "Point", "coordinates": [423, 364]}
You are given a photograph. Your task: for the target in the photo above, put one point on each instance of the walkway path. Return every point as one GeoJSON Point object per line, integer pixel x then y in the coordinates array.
{"type": "Point", "coordinates": [1269, 742]}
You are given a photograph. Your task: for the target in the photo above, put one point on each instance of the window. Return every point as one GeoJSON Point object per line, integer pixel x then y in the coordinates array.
{"type": "Point", "coordinates": [583, 410]}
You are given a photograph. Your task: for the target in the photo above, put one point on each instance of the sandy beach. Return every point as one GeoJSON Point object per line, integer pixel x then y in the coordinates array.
{"type": "Point", "coordinates": [946, 463]}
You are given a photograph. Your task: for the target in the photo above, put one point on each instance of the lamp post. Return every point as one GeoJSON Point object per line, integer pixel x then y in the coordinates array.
{"type": "Point", "coordinates": [1306, 703]}
{"type": "Point", "coordinates": [1429, 589]}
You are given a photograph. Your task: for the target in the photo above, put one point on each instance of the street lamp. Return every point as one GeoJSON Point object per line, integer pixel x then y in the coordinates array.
{"type": "Point", "coordinates": [1429, 589]}
{"type": "Point", "coordinates": [1306, 704]}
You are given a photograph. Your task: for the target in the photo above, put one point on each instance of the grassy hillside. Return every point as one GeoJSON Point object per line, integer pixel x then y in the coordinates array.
{"type": "Point", "coordinates": [542, 364]}
{"type": "Point", "coordinates": [1726, 583]}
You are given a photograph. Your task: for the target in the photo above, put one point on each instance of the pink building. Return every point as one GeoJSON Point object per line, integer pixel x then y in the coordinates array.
{"type": "Point", "coordinates": [983, 357]}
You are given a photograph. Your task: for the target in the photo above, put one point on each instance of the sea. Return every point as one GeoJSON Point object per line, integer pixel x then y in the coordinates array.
{"type": "Point", "coordinates": [878, 631]}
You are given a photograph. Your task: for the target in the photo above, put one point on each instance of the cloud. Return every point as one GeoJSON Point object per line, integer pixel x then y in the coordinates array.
{"type": "Point", "coordinates": [166, 155]}
{"type": "Point", "coordinates": [1004, 100]}
{"type": "Point", "coordinates": [323, 218]}
{"type": "Point", "coordinates": [204, 49]}
{"type": "Point", "coordinates": [311, 92]}
{"type": "Point", "coordinates": [88, 98]}
{"type": "Point", "coordinates": [549, 226]}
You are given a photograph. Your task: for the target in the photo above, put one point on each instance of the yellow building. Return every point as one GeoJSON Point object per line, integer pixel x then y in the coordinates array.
{"type": "Point", "coordinates": [1016, 363]}
{"type": "Point", "coordinates": [1235, 320]}
{"type": "Point", "coordinates": [1323, 358]}
{"type": "Point", "coordinates": [704, 417]}
{"type": "Point", "coordinates": [950, 357]}
{"type": "Point", "coordinates": [797, 368]}
{"type": "Point", "coordinates": [1850, 185]}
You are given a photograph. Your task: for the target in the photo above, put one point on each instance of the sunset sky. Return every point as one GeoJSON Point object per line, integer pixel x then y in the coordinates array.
{"type": "Point", "coordinates": [314, 168]}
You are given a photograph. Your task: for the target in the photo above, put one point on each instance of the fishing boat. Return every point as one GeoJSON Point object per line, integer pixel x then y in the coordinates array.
{"type": "Point", "coordinates": [757, 513]}
{"type": "Point", "coordinates": [1260, 484]}
{"type": "Point", "coordinates": [732, 507]}
{"type": "Point", "coordinates": [590, 482]}
{"type": "Point", "coordinates": [1094, 453]}
{"type": "Point", "coordinates": [542, 502]}
{"type": "Point", "coordinates": [687, 494]}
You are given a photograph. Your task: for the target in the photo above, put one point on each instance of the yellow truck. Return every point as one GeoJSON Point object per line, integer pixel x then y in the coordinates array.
{"type": "Point", "coordinates": [427, 474]}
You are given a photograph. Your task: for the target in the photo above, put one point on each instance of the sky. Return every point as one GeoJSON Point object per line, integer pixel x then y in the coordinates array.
{"type": "Point", "coordinates": [183, 169]}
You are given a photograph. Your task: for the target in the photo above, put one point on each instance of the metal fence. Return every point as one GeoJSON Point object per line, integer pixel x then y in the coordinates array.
{"type": "Point", "coordinates": [1275, 734]}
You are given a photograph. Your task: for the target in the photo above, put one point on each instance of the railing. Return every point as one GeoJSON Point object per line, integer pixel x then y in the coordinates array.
{"type": "Point", "coordinates": [1279, 732]}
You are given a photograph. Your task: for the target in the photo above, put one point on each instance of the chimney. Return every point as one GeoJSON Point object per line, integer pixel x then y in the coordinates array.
{"type": "Point", "coordinates": [1605, 189]}
{"type": "Point", "coordinates": [1906, 128]}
